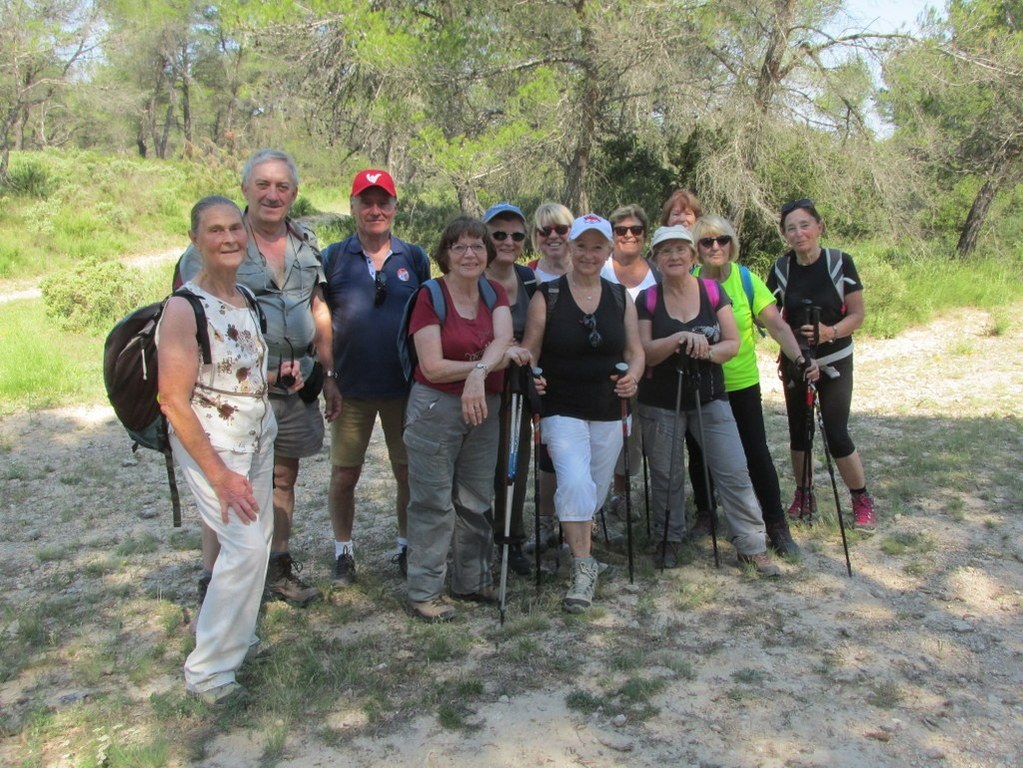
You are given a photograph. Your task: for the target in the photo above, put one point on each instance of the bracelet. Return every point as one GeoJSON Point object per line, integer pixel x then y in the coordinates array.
{"type": "Point", "coordinates": [710, 354]}
{"type": "Point", "coordinates": [834, 330]}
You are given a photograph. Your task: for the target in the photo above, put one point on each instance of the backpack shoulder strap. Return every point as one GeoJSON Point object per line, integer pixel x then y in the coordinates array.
{"type": "Point", "coordinates": [651, 298]}
{"type": "Point", "coordinates": [527, 277]}
{"type": "Point", "coordinates": [781, 276]}
{"type": "Point", "coordinates": [437, 299]}
{"type": "Point", "coordinates": [747, 287]}
{"type": "Point", "coordinates": [487, 292]}
{"type": "Point", "coordinates": [202, 331]}
{"type": "Point", "coordinates": [257, 310]}
{"type": "Point", "coordinates": [836, 268]}
{"type": "Point", "coordinates": [713, 291]}
{"type": "Point", "coordinates": [619, 292]}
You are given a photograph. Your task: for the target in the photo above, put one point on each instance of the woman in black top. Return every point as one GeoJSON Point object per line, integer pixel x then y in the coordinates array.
{"type": "Point", "coordinates": [810, 277]}
{"type": "Point", "coordinates": [579, 327]}
{"type": "Point", "coordinates": [688, 329]}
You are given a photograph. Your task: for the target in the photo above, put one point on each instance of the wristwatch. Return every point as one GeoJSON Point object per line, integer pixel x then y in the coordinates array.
{"type": "Point", "coordinates": [483, 367]}
{"type": "Point", "coordinates": [331, 374]}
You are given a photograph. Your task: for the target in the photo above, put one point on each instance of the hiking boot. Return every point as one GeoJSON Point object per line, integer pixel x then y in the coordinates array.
{"type": "Point", "coordinates": [222, 695]}
{"type": "Point", "coordinates": [804, 504]}
{"type": "Point", "coordinates": [761, 564]}
{"type": "Point", "coordinates": [864, 515]}
{"type": "Point", "coordinates": [284, 584]}
{"type": "Point", "coordinates": [548, 536]}
{"type": "Point", "coordinates": [258, 651]}
{"type": "Point", "coordinates": [204, 585]}
{"type": "Point", "coordinates": [344, 569]}
{"type": "Point", "coordinates": [486, 595]}
{"type": "Point", "coordinates": [779, 538]}
{"type": "Point", "coordinates": [668, 555]}
{"type": "Point", "coordinates": [399, 558]}
{"type": "Point", "coordinates": [517, 560]}
{"type": "Point", "coordinates": [584, 584]}
{"type": "Point", "coordinates": [434, 610]}
{"type": "Point", "coordinates": [702, 525]}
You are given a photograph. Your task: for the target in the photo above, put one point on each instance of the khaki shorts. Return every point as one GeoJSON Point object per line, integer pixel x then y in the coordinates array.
{"type": "Point", "coordinates": [351, 431]}
{"type": "Point", "coordinates": [299, 427]}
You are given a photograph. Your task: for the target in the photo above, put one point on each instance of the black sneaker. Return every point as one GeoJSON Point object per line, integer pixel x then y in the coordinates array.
{"type": "Point", "coordinates": [399, 558]}
{"type": "Point", "coordinates": [284, 584]}
{"type": "Point", "coordinates": [518, 561]}
{"type": "Point", "coordinates": [344, 569]}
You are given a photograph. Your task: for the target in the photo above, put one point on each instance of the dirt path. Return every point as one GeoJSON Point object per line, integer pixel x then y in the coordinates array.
{"type": "Point", "coordinates": [916, 660]}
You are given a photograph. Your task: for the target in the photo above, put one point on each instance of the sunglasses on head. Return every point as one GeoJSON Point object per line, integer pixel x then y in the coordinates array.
{"type": "Point", "coordinates": [636, 230]}
{"type": "Point", "coordinates": [561, 229]}
{"type": "Point", "coordinates": [500, 236]}
{"type": "Point", "coordinates": [380, 288]}
{"type": "Point", "coordinates": [589, 322]}
{"type": "Point", "coordinates": [721, 240]}
{"type": "Point", "coordinates": [790, 207]}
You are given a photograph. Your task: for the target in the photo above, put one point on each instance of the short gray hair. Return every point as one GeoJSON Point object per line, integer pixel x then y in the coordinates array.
{"type": "Point", "coordinates": [212, 201]}
{"type": "Point", "coordinates": [266, 155]}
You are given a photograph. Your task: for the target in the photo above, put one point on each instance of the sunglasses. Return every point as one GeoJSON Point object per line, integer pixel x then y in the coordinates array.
{"type": "Point", "coordinates": [286, 380]}
{"type": "Point", "coordinates": [790, 207]}
{"type": "Point", "coordinates": [635, 230]}
{"type": "Point", "coordinates": [721, 240]}
{"type": "Point", "coordinates": [380, 288]}
{"type": "Point", "coordinates": [589, 322]}
{"type": "Point", "coordinates": [500, 236]}
{"type": "Point", "coordinates": [561, 229]}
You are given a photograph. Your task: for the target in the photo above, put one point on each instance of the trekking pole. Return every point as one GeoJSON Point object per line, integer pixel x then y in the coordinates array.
{"type": "Point", "coordinates": [622, 369]}
{"type": "Point", "coordinates": [831, 472]}
{"type": "Point", "coordinates": [673, 461]}
{"type": "Point", "coordinates": [535, 407]}
{"type": "Point", "coordinates": [514, 422]}
{"type": "Point", "coordinates": [646, 482]}
{"type": "Point", "coordinates": [695, 368]}
{"type": "Point", "coordinates": [807, 500]}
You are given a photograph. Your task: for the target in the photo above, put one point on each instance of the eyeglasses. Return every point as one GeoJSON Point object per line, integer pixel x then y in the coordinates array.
{"type": "Point", "coordinates": [790, 207]}
{"type": "Point", "coordinates": [635, 230]}
{"type": "Point", "coordinates": [561, 229]}
{"type": "Point", "coordinates": [721, 240]}
{"type": "Point", "coordinates": [286, 380]}
{"type": "Point", "coordinates": [380, 286]}
{"type": "Point", "coordinates": [589, 322]}
{"type": "Point", "coordinates": [460, 249]}
{"type": "Point", "coordinates": [500, 236]}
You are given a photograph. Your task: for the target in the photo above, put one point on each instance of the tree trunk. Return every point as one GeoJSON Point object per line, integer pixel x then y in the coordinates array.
{"type": "Point", "coordinates": [978, 213]}
{"type": "Point", "coordinates": [577, 197]}
{"type": "Point", "coordinates": [186, 95]}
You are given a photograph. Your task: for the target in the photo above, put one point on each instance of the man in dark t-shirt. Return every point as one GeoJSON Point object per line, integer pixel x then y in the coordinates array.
{"type": "Point", "coordinates": [370, 277]}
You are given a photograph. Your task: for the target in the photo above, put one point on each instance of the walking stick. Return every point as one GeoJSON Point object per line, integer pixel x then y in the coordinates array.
{"type": "Point", "coordinates": [831, 472]}
{"type": "Point", "coordinates": [622, 369]}
{"type": "Point", "coordinates": [672, 462]}
{"type": "Point", "coordinates": [807, 500]}
{"type": "Point", "coordinates": [695, 368]}
{"type": "Point", "coordinates": [514, 422]}
{"type": "Point", "coordinates": [646, 483]}
{"type": "Point", "coordinates": [535, 408]}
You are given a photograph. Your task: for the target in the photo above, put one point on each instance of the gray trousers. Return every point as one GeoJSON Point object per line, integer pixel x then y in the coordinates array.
{"type": "Point", "coordinates": [725, 459]}
{"type": "Point", "coordinates": [451, 480]}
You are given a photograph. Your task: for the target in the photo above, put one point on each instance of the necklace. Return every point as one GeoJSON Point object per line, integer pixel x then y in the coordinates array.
{"type": "Point", "coordinates": [574, 285]}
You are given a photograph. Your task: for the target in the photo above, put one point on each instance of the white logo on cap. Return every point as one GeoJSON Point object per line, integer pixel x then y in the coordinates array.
{"type": "Point", "coordinates": [372, 177]}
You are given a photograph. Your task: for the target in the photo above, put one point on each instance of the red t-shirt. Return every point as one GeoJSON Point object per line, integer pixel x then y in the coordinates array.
{"type": "Point", "coordinates": [460, 339]}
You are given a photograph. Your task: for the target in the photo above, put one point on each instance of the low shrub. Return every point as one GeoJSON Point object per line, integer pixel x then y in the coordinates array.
{"type": "Point", "coordinates": [93, 297]}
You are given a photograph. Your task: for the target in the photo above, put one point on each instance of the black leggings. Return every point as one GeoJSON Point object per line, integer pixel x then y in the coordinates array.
{"type": "Point", "coordinates": [835, 396]}
{"type": "Point", "coordinates": [749, 419]}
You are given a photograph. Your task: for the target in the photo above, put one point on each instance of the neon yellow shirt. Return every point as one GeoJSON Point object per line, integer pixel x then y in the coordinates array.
{"type": "Point", "coordinates": [741, 371]}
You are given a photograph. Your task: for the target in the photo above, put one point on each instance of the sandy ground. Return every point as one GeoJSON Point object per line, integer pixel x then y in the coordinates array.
{"type": "Point", "coordinates": [915, 660]}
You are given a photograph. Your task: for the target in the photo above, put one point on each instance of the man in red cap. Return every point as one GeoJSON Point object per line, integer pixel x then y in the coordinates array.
{"type": "Point", "coordinates": [370, 277]}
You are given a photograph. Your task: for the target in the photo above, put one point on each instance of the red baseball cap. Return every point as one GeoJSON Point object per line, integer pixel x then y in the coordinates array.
{"type": "Point", "coordinates": [373, 178]}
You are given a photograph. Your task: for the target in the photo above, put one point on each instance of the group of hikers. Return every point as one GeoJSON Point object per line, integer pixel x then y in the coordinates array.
{"type": "Point", "coordinates": [614, 345]}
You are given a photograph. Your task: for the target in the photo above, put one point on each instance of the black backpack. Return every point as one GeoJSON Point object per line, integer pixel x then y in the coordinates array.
{"type": "Point", "coordinates": [130, 376]}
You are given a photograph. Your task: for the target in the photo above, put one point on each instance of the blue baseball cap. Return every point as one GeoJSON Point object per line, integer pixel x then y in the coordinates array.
{"type": "Point", "coordinates": [496, 210]}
